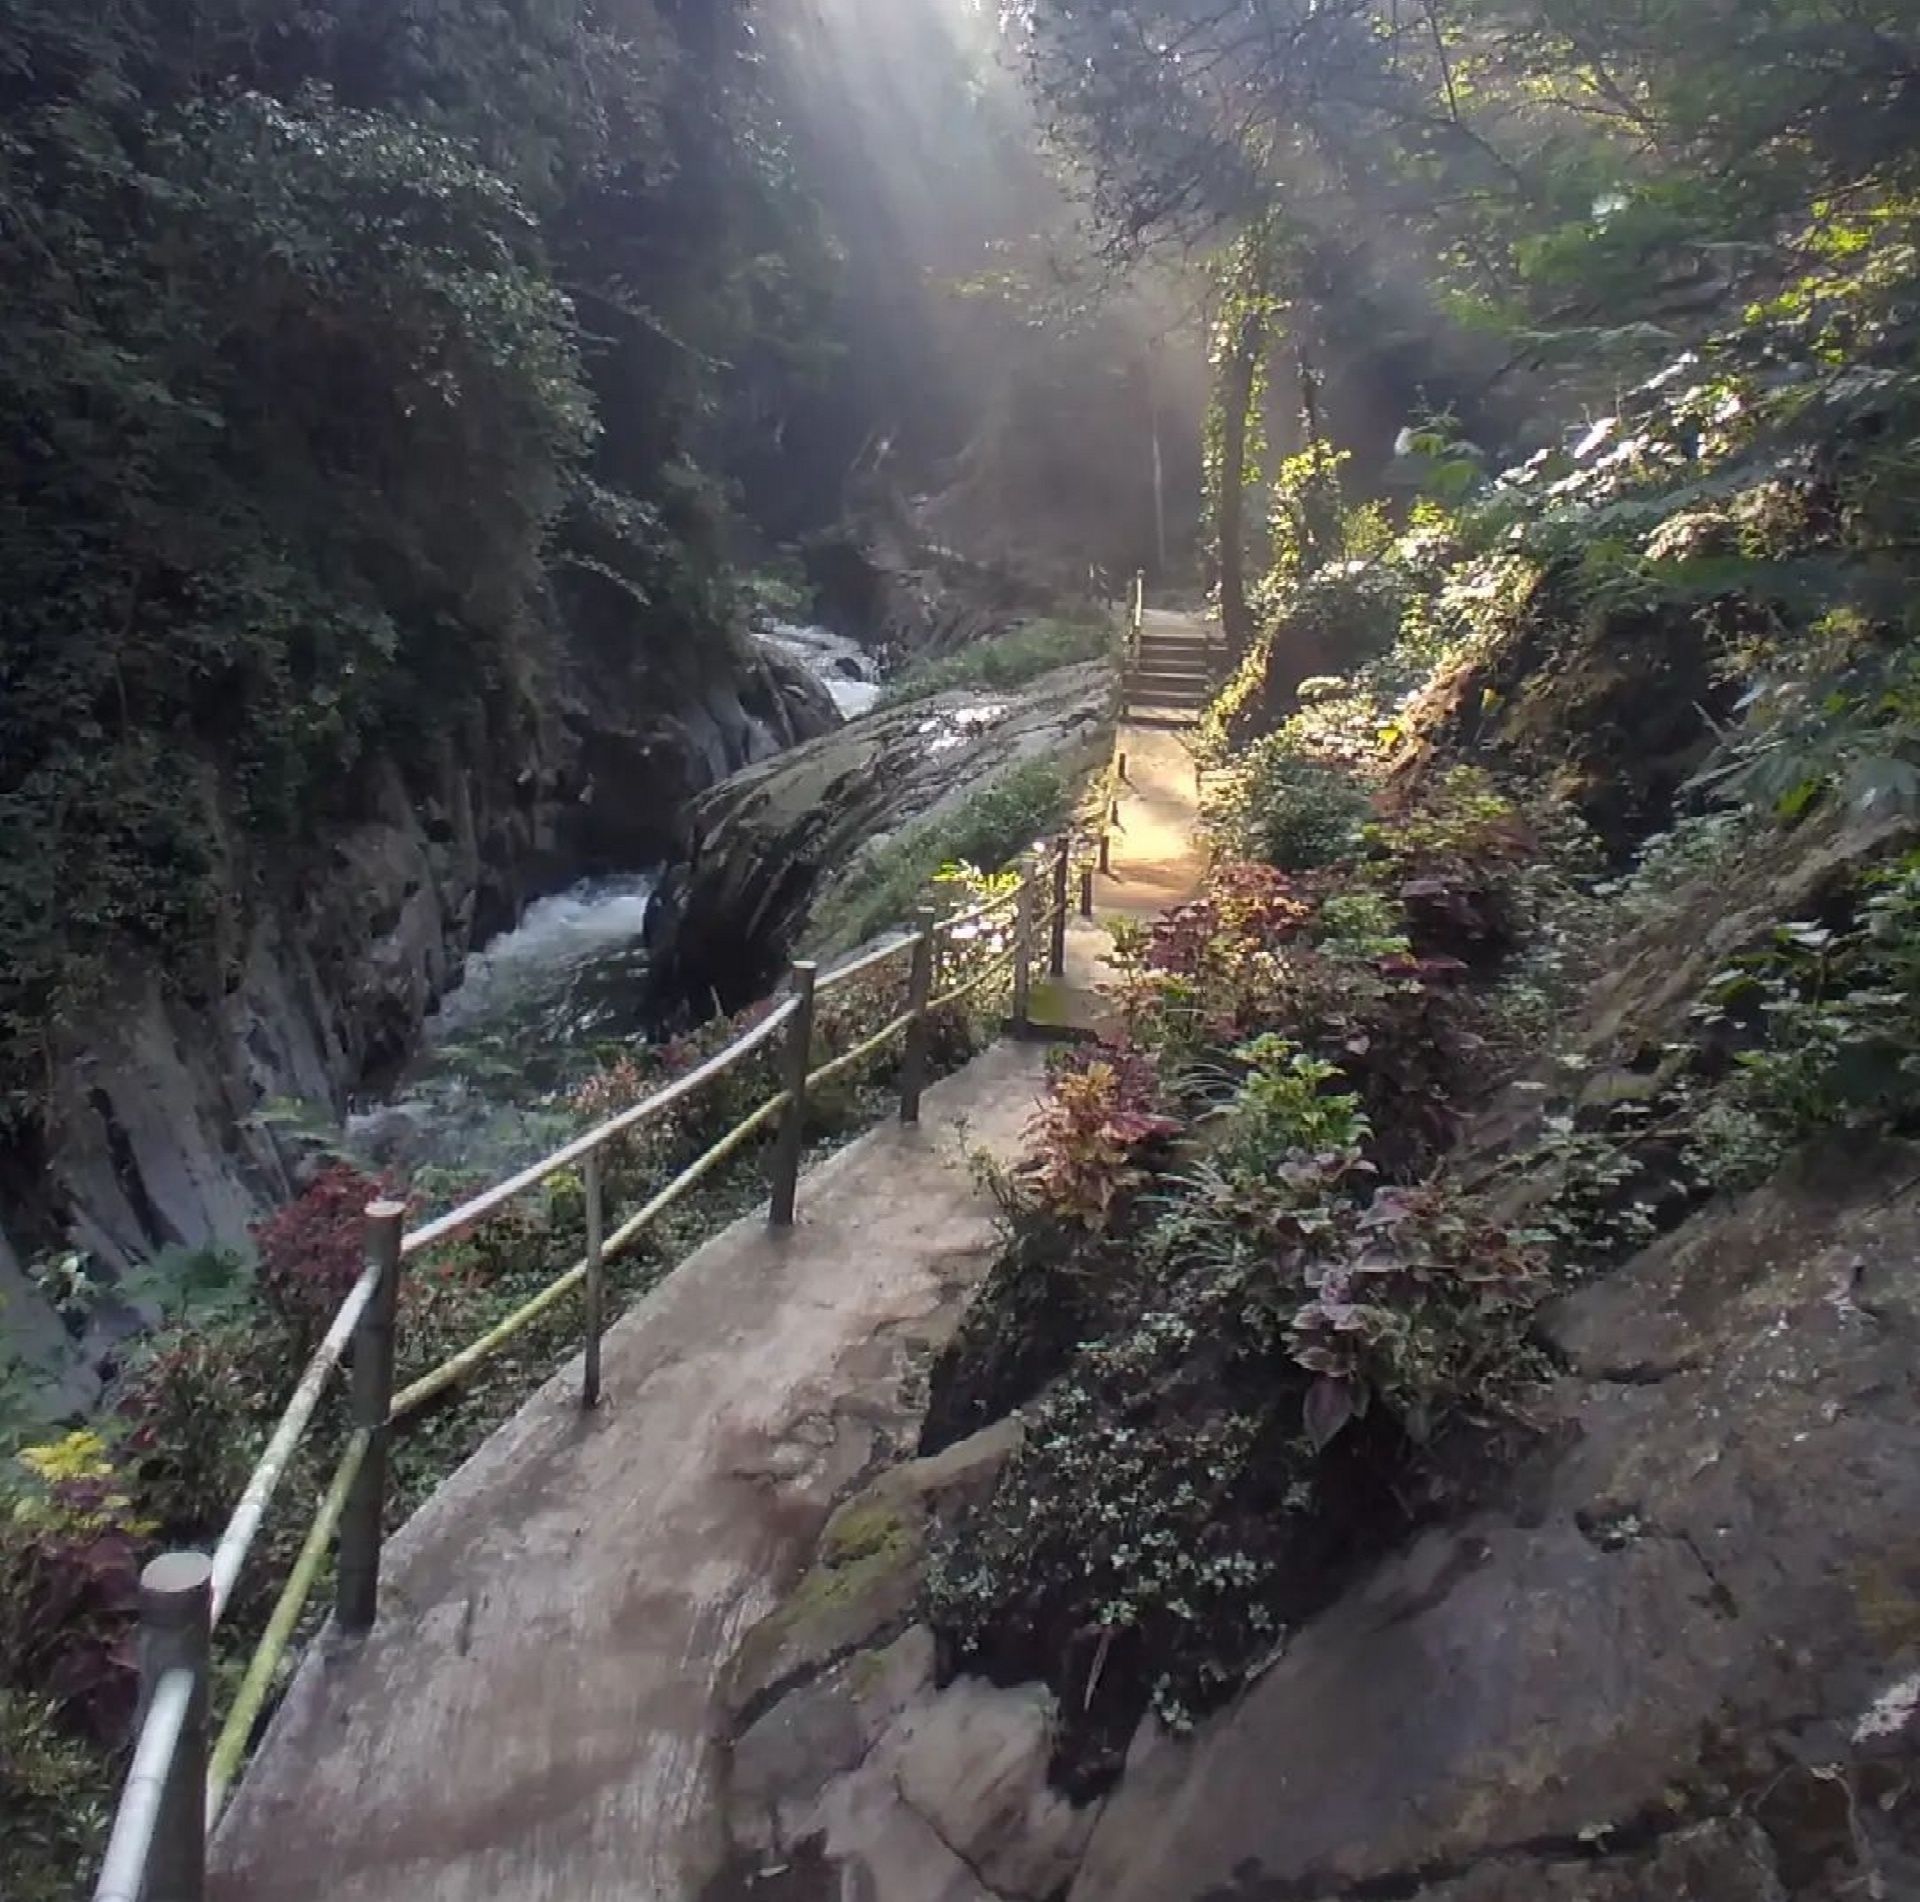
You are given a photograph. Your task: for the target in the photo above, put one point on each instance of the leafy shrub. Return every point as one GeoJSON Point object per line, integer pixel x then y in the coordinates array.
{"type": "Point", "coordinates": [1357, 632]}
{"type": "Point", "coordinates": [1282, 1107]}
{"type": "Point", "coordinates": [1290, 811]}
{"type": "Point", "coordinates": [71, 1541]}
{"type": "Point", "coordinates": [1423, 1311]}
{"type": "Point", "coordinates": [313, 1250]}
{"type": "Point", "coordinates": [1007, 660]}
{"type": "Point", "coordinates": [1006, 816]}
{"type": "Point", "coordinates": [193, 1404]}
{"type": "Point", "coordinates": [1213, 972]}
{"type": "Point", "coordinates": [1829, 1015]}
{"type": "Point", "coordinates": [204, 1285]}
{"type": "Point", "coordinates": [1232, 1429]}
{"type": "Point", "coordinates": [1367, 926]}
{"type": "Point", "coordinates": [52, 1807]}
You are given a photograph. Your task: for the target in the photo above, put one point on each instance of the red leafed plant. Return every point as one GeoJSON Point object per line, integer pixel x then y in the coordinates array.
{"type": "Point", "coordinates": [312, 1251]}
{"type": "Point", "coordinates": [1247, 908]}
{"type": "Point", "coordinates": [1089, 1135]}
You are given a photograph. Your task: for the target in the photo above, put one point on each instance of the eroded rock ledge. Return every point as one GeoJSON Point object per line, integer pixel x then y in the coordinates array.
{"type": "Point", "coordinates": [772, 844]}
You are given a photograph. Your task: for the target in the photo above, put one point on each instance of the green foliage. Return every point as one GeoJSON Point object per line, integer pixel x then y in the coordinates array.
{"type": "Point", "coordinates": [292, 393]}
{"type": "Point", "coordinates": [1535, 155]}
{"type": "Point", "coordinates": [205, 629]}
{"type": "Point", "coordinates": [1814, 1030]}
{"type": "Point", "coordinates": [189, 1409]}
{"type": "Point", "coordinates": [1012, 812]}
{"type": "Point", "coordinates": [780, 592]}
{"type": "Point", "coordinates": [1362, 925]}
{"type": "Point", "coordinates": [1676, 230]}
{"type": "Point", "coordinates": [52, 1800]}
{"type": "Point", "coordinates": [1454, 816]}
{"type": "Point", "coordinates": [192, 1286]}
{"type": "Point", "coordinates": [1282, 1106]}
{"type": "Point", "coordinates": [1006, 660]}
{"type": "Point", "coordinates": [1275, 804]}
{"type": "Point", "coordinates": [71, 1538]}
{"type": "Point", "coordinates": [1310, 523]}
{"type": "Point", "coordinates": [1342, 646]}
{"type": "Point", "coordinates": [1832, 1015]}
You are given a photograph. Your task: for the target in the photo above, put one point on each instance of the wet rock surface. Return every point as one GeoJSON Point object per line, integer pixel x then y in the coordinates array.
{"type": "Point", "coordinates": [873, 1781]}
{"type": "Point", "coordinates": [1673, 1666]}
{"type": "Point", "coordinates": [852, 1770]}
{"type": "Point", "coordinates": [771, 844]}
{"type": "Point", "coordinates": [866, 1572]}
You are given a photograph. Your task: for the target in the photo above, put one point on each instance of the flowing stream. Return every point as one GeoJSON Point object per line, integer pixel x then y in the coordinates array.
{"type": "Point", "coordinates": [486, 1091]}
{"type": "Point", "coordinates": [843, 667]}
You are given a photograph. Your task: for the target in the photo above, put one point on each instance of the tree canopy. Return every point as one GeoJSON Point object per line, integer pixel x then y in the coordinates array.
{"type": "Point", "coordinates": [1442, 196]}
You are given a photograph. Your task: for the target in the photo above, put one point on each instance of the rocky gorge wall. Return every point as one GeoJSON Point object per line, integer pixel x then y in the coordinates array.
{"type": "Point", "coordinates": [161, 1129]}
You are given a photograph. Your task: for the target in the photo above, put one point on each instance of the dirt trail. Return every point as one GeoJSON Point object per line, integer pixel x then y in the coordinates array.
{"type": "Point", "coordinates": [534, 1717]}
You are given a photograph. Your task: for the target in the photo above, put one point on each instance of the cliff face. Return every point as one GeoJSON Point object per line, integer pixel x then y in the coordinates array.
{"type": "Point", "coordinates": [1677, 1663]}
{"type": "Point", "coordinates": [157, 1134]}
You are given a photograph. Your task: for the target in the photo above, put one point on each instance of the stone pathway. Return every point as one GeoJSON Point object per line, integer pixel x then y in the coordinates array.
{"type": "Point", "coordinates": [1155, 858]}
{"type": "Point", "coordinates": [535, 1716]}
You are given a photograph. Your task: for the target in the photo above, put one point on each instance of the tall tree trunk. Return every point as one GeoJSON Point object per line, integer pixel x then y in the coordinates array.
{"type": "Point", "coordinates": [1239, 376]}
{"type": "Point", "coordinates": [1320, 508]}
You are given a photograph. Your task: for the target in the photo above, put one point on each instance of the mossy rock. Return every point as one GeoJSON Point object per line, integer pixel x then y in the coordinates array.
{"type": "Point", "coordinates": [863, 1583]}
{"type": "Point", "coordinates": [865, 1578]}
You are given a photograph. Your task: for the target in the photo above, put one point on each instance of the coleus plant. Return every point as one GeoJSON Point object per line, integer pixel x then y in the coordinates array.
{"type": "Point", "coordinates": [1407, 1312]}
{"type": "Point", "coordinates": [1091, 1133]}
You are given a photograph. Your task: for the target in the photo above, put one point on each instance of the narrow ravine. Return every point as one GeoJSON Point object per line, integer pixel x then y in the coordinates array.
{"type": "Point", "coordinates": [529, 1018]}
{"type": "Point", "coordinates": [535, 1011]}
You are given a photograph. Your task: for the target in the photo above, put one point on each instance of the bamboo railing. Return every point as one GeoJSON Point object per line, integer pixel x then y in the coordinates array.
{"type": "Point", "coordinates": [182, 1770]}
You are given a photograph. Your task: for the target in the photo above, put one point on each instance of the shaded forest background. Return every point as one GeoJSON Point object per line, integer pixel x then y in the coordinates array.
{"type": "Point", "coordinates": [363, 360]}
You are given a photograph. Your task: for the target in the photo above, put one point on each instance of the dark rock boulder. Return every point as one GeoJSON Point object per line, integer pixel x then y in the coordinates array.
{"type": "Point", "coordinates": [881, 582]}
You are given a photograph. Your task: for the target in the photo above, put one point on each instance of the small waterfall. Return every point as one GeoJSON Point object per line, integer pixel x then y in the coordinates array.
{"type": "Point", "coordinates": [843, 667]}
